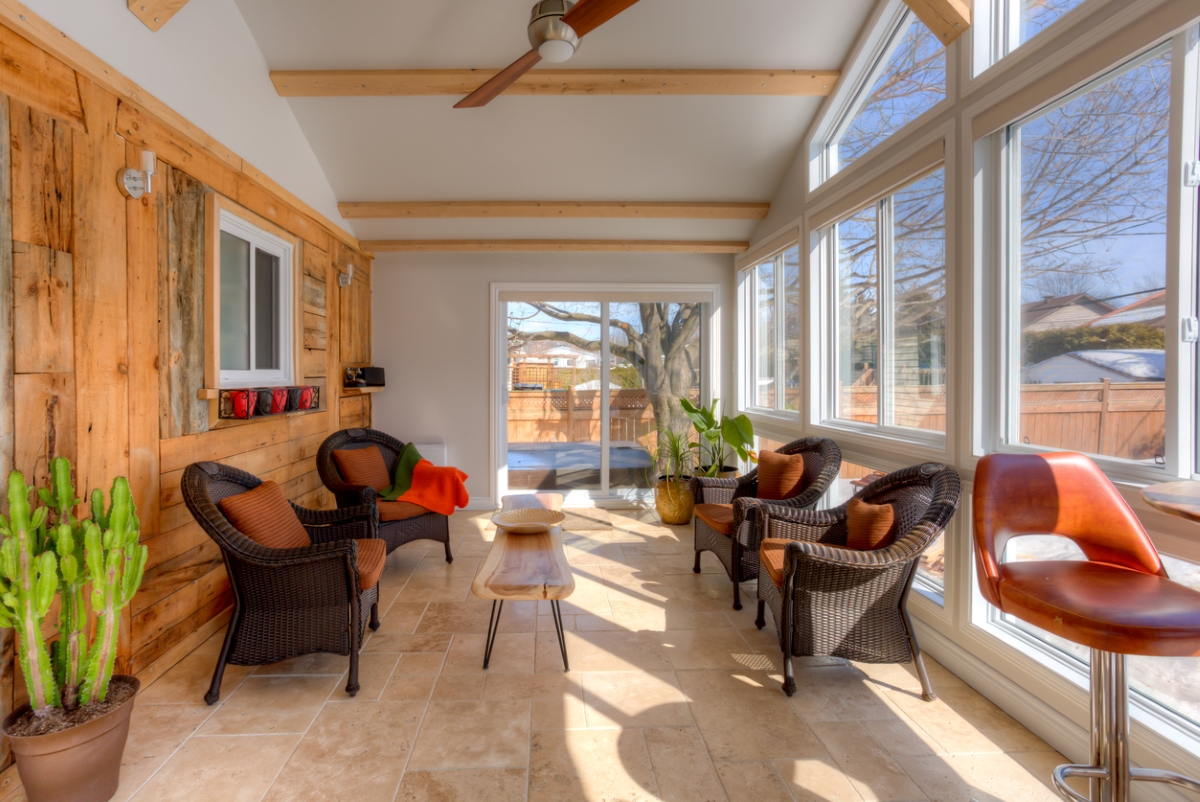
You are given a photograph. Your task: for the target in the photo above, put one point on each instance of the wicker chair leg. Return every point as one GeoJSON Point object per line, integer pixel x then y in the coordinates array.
{"type": "Point", "coordinates": [696, 567]}
{"type": "Point", "coordinates": [918, 660]}
{"type": "Point", "coordinates": [761, 621]}
{"type": "Point", "coordinates": [789, 609]}
{"type": "Point", "coordinates": [214, 690]}
{"type": "Point", "coordinates": [736, 560]}
{"type": "Point", "coordinates": [449, 556]}
{"type": "Point", "coordinates": [355, 612]}
{"type": "Point", "coordinates": [374, 624]}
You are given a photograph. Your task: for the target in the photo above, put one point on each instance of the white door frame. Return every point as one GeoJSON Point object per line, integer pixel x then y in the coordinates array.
{"type": "Point", "coordinates": [710, 343]}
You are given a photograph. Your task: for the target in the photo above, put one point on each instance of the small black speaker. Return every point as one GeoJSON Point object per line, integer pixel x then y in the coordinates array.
{"type": "Point", "coordinates": [373, 377]}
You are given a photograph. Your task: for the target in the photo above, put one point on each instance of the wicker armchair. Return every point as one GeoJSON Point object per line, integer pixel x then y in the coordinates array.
{"type": "Point", "coordinates": [830, 600]}
{"type": "Point", "coordinates": [286, 602]}
{"type": "Point", "coordinates": [742, 492]}
{"type": "Point", "coordinates": [430, 526]}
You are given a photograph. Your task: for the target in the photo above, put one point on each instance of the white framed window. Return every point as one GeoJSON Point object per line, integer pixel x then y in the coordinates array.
{"type": "Point", "coordinates": [884, 310]}
{"type": "Point", "coordinates": [1007, 24]}
{"type": "Point", "coordinates": [773, 332]}
{"type": "Point", "coordinates": [255, 297]}
{"type": "Point", "coordinates": [901, 74]}
{"type": "Point", "coordinates": [1094, 287]}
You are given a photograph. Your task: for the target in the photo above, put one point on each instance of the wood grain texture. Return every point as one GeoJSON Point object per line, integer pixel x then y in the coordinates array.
{"type": "Point", "coordinates": [375, 83]}
{"type": "Point", "coordinates": [7, 400]}
{"type": "Point", "coordinates": [315, 335]}
{"type": "Point", "coordinates": [948, 19]}
{"type": "Point", "coordinates": [492, 87]}
{"type": "Point", "coordinates": [526, 567]}
{"type": "Point", "coordinates": [45, 423]}
{"type": "Point", "coordinates": [650, 210]}
{"type": "Point", "coordinates": [1181, 499]}
{"type": "Point", "coordinates": [38, 78]}
{"type": "Point", "coordinates": [101, 300]}
{"type": "Point", "coordinates": [155, 13]}
{"type": "Point", "coordinates": [552, 246]}
{"type": "Point", "coordinates": [182, 323]}
{"type": "Point", "coordinates": [41, 178]}
{"type": "Point", "coordinates": [43, 310]}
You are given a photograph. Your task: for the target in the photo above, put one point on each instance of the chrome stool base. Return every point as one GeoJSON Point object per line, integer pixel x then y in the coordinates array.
{"type": "Point", "coordinates": [1110, 774]}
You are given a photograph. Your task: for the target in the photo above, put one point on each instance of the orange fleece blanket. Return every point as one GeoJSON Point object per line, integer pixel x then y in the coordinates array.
{"type": "Point", "coordinates": [437, 489]}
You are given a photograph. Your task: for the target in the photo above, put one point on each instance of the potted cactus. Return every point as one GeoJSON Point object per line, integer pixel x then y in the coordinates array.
{"type": "Point", "coordinates": [69, 738]}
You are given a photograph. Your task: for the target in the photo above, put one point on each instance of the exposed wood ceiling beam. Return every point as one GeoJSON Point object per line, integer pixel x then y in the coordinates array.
{"type": "Point", "coordinates": [347, 83]}
{"type": "Point", "coordinates": [551, 246]}
{"type": "Point", "coordinates": [155, 13]}
{"type": "Point", "coordinates": [550, 209]}
{"type": "Point", "coordinates": [948, 19]}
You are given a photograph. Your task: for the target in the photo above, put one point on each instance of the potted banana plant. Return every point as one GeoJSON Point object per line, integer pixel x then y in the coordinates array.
{"type": "Point", "coordinates": [69, 738]}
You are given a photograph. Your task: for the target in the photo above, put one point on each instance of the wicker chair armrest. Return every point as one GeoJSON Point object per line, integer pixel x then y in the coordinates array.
{"type": "Point", "coordinates": [335, 550]}
{"type": "Point", "coordinates": [850, 559]}
{"type": "Point", "coordinates": [355, 523]}
{"type": "Point", "coordinates": [708, 490]}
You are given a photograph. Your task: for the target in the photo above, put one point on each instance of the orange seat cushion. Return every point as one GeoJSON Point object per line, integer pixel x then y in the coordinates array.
{"type": "Point", "coordinates": [265, 516]}
{"type": "Point", "coordinates": [719, 517]}
{"type": "Point", "coordinates": [399, 510]}
{"type": "Point", "coordinates": [869, 526]}
{"type": "Point", "coordinates": [782, 476]}
{"type": "Point", "coordinates": [372, 554]}
{"type": "Point", "coordinates": [1103, 606]}
{"type": "Point", "coordinates": [771, 556]}
{"type": "Point", "coordinates": [363, 467]}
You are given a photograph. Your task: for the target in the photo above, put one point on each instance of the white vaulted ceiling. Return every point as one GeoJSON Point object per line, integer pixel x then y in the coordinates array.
{"type": "Point", "coordinates": [652, 148]}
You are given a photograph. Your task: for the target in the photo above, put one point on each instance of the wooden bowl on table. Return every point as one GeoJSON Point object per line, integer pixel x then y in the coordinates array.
{"type": "Point", "coordinates": [528, 521]}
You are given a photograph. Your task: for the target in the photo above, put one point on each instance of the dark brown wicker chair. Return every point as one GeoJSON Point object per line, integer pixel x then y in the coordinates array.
{"type": "Point", "coordinates": [853, 604]}
{"type": "Point", "coordinates": [286, 602]}
{"type": "Point", "coordinates": [742, 492]}
{"type": "Point", "coordinates": [430, 526]}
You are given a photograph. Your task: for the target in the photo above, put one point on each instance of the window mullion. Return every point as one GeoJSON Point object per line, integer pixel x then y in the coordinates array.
{"type": "Point", "coordinates": [885, 303]}
{"type": "Point", "coordinates": [780, 335]}
{"type": "Point", "coordinates": [252, 294]}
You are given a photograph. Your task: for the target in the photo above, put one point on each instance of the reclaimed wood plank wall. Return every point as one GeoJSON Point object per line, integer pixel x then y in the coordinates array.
{"type": "Point", "coordinates": [102, 333]}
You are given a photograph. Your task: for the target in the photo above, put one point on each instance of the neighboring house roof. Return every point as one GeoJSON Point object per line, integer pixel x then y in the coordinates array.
{"type": "Point", "coordinates": [1034, 311]}
{"type": "Point", "coordinates": [1151, 309]}
{"type": "Point", "coordinates": [1130, 365]}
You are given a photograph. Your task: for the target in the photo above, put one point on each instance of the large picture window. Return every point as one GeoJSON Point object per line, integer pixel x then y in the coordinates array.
{"type": "Point", "coordinates": [888, 298]}
{"type": "Point", "coordinates": [1088, 268]}
{"type": "Point", "coordinates": [775, 339]}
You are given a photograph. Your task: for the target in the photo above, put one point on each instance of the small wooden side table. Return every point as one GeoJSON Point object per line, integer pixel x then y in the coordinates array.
{"type": "Point", "coordinates": [1181, 499]}
{"type": "Point", "coordinates": [525, 568]}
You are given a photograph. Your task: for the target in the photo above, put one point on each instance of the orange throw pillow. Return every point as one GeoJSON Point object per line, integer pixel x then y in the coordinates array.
{"type": "Point", "coordinates": [265, 516]}
{"type": "Point", "coordinates": [869, 526]}
{"type": "Point", "coordinates": [363, 467]}
{"type": "Point", "coordinates": [780, 476]}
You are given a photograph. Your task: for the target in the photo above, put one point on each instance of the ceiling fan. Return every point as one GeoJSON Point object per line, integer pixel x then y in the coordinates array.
{"type": "Point", "coordinates": [555, 28]}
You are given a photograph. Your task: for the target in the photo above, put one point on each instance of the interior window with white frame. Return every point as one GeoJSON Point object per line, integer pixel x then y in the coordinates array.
{"type": "Point", "coordinates": [1013, 23]}
{"type": "Point", "coordinates": [256, 305]}
{"type": "Point", "coordinates": [1087, 267]}
{"type": "Point", "coordinates": [907, 77]}
{"type": "Point", "coordinates": [887, 310]}
{"type": "Point", "coordinates": [775, 332]}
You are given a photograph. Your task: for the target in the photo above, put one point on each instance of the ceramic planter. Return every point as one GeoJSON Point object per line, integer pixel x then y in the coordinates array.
{"type": "Point", "coordinates": [82, 764]}
{"type": "Point", "coordinates": [674, 501]}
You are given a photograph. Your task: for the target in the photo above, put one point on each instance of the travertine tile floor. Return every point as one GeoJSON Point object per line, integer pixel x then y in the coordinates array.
{"type": "Point", "coordinates": [671, 696]}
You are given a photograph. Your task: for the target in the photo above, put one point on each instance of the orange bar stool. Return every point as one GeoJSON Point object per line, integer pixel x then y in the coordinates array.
{"type": "Point", "coordinates": [1118, 602]}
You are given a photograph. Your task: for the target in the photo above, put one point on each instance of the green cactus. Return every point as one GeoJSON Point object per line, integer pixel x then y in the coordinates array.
{"type": "Point", "coordinates": [67, 537]}
{"type": "Point", "coordinates": [30, 581]}
{"type": "Point", "coordinates": [115, 563]}
{"type": "Point", "coordinates": [47, 552]}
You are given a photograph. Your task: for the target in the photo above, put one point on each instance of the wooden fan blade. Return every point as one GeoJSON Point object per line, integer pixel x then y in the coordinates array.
{"type": "Point", "coordinates": [499, 82]}
{"type": "Point", "coordinates": [588, 15]}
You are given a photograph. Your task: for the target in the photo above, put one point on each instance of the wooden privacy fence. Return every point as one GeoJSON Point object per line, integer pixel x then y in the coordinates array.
{"type": "Point", "coordinates": [1114, 419]}
{"type": "Point", "coordinates": [573, 416]}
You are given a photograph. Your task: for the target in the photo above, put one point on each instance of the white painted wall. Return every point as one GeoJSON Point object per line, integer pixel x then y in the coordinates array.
{"type": "Point", "coordinates": [431, 325]}
{"type": "Point", "coordinates": [204, 64]}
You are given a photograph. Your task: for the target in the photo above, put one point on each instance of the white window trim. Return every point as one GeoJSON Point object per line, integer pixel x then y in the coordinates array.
{"type": "Point", "coordinates": [748, 295]}
{"type": "Point", "coordinates": [263, 240]}
{"type": "Point", "coordinates": [1005, 214]}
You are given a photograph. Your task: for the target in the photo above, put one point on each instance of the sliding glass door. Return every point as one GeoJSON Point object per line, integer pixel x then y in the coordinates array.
{"type": "Point", "coordinates": [587, 384]}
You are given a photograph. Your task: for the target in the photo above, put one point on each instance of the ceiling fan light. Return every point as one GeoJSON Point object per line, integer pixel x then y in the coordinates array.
{"type": "Point", "coordinates": [556, 50]}
{"type": "Point", "coordinates": [554, 40]}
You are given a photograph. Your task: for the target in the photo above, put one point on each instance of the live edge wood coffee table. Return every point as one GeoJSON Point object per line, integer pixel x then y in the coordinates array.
{"type": "Point", "coordinates": [525, 568]}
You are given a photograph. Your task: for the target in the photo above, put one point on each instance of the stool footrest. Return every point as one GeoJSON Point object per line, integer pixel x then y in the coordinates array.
{"type": "Point", "coordinates": [1061, 773]}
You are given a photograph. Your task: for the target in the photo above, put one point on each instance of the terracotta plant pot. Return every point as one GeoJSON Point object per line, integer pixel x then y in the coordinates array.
{"type": "Point", "coordinates": [82, 764]}
{"type": "Point", "coordinates": [674, 501]}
